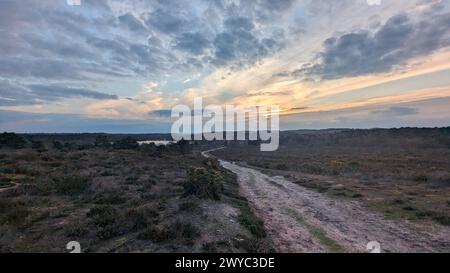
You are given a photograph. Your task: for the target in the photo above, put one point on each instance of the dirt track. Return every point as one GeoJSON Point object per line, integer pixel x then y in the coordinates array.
{"type": "Point", "coordinates": [300, 220]}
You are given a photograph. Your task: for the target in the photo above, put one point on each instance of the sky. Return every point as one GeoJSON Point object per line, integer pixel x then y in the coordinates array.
{"type": "Point", "coordinates": [120, 66]}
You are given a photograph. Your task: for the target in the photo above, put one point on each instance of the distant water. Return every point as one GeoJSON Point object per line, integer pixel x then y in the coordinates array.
{"type": "Point", "coordinates": [156, 142]}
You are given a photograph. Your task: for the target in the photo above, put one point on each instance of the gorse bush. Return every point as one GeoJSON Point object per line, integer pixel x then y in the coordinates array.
{"type": "Point", "coordinates": [204, 183]}
{"type": "Point", "coordinates": [212, 163]}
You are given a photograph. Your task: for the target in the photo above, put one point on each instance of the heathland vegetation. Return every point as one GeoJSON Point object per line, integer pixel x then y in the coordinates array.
{"type": "Point", "coordinates": [113, 195]}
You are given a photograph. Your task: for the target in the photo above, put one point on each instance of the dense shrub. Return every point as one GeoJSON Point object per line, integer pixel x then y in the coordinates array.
{"type": "Point", "coordinates": [155, 234]}
{"type": "Point", "coordinates": [102, 141]}
{"type": "Point", "coordinates": [204, 183]}
{"type": "Point", "coordinates": [142, 218]}
{"type": "Point", "coordinates": [249, 220]}
{"type": "Point", "coordinates": [109, 198]}
{"type": "Point", "coordinates": [11, 140]}
{"type": "Point", "coordinates": [126, 143]}
{"type": "Point", "coordinates": [106, 220]}
{"type": "Point", "coordinates": [39, 146]}
{"type": "Point", "coordinates": [212, 163]}
{"type": "Point", "coordinates": [12, 212]}
{"type": "Point", "coordinates": [185, 231]}
{"type": "Point", "coordinates": [57, 145]}
{"type": "Point", "coordinates": [71, 185]}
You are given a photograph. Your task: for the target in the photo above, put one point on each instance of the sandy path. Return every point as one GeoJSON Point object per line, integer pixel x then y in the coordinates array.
{"type": "Point", "coordinates": [15, 186]}
{"type": "Point", "coordinates": [301, 220]}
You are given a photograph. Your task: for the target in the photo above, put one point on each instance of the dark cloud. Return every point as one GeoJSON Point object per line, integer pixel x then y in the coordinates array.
{"type": "Point", "coordinates": [15, 94]}
{"type": "Point", "coordinates": [399, 40]}
{"type": "Point", "coordinates": [299, 108]}
{"type": "Point", "coordinates": [396, 111]}
{"type": "Point", "coordinates": [11, 94]}
{"type": "Point", "coordinates": [132, 23]}
{"type": "Point", "coordinates": [194, 43]}
{"type": "Point", "coordinates": [260, 10]}
{"type": "Point", "coordinates": [58, 91]}
{"type": "Point", "coordinates": [239, 44]}
{"type": "Point", "coordinates": [167, 21]}
{"type": "Point", "coordinates": [38, 68]}
{"type": "Point", "coordinates": [43, 40]}
{"type": "Point", "coordinates": [161, 113]}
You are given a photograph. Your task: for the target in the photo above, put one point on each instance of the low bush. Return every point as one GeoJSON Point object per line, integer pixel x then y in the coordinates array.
{"type": "Point", "coordinates": [126, 143]}
{"type": "Point", "coordinates": [109, 198]}
{"type": "Point", "coordinates": [185, 231]}
{"type": "Point", "coordinates": [12, 213]}
{"type": "Point", "coordinates": [188, 206]}
{"type": "Point", "coordinates": [155, 234]}
{"type": "Point", "coordinates": [204, 183]}
{"type": "Point", "coordinates": [439, 180]}
{"type": "Point", "coordinates": [11, 140]}
{"type": "Point", "coordinates": [142, 218]}
{"type": "Point", "coordinates": [71, 185]}
{"type": "Point", "coordinates": [106, 220]}
{"type": "Point", "coordinates": [249, 220]}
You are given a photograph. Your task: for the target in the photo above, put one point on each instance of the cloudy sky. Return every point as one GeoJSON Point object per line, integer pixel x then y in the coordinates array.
{"type": "Point", "coordinates": [120, 66]}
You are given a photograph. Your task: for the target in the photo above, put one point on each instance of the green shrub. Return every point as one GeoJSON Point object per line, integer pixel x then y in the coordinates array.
{"type": "Point", "coordinates": [142, 218]}
{"type": "Point", "coordinates": [249, 220]}
{"type": "Point", "coordinates": [420, 177]}
{"type": "Point", "coordinates": [72, 185]}
{"type": "Point", "coordinates": [106, 198]}
{"type": "Point", "coordinates": [185, 231]}
{"type": "Point", "coordinates": [12, 212]}
{"type": "Point", "coordinates": [106, 220]}
{"type": "Point", "coordinates": [103, 215]}
{"type": "Point", "coordinates": [102, 141]}
{"type": "Point", "coordinates": [57, 145]}
{"type": "Point", "coordinates": [76, 231]}
{"type": "Point", "coordinates": [39, 146]}
{"type": "Point", "coordinates": [212, 163]}
{"type": "Point", "coordinates": [155, 234]}
{"type": "Point", "coordinates": [281, 166]}
{"type": "Point", "coordinates": [126, 143]}
{"type": "Point", "coordinates": [443, 220]}
{"type": "Point", "coordinates": [203, 183]}
{"type": "Point", "coordinates": [188, 206]}
{"type": "Point", "coordinates": [11, 140]}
